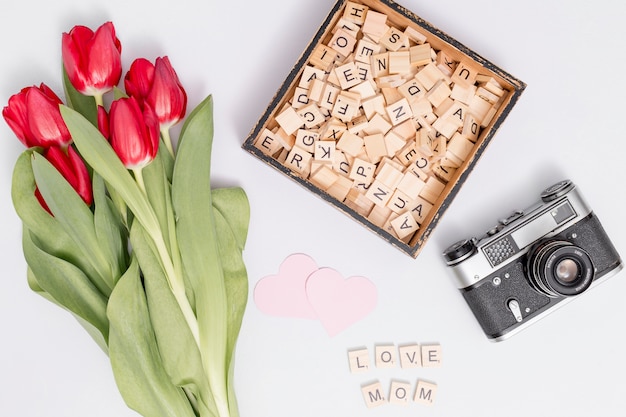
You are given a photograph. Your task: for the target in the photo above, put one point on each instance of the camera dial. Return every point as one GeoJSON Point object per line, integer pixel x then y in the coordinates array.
{"type": "Point", "coordinates": [459, 251]}
{"type": "Point", "coordinates": [557, 190]}
{"type": "Point", "coordinates": [559, 269]}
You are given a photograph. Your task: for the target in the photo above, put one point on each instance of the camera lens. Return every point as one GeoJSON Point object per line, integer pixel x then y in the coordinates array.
{"type": "Point", "coordinates": [567, 271]}
{"type": "Point", "coordinates": [559, 269]}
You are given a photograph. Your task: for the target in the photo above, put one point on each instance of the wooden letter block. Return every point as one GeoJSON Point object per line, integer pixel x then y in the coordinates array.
{"type": "Point", "coordinates": [379, 215]}
{"type": "Point", "coordinates": [305, 139]}
{"type": "Point", "coordinates": [373, 394]}
{"type": "Point", "coordinates": [311, 115]}
{"type": "Point", "coordinates": [325, 152]}
{"type": "Point", "coordinates": [300, 98]}
{"type": "Point", "coordinates": [379, 193]}
{"type": "Point", "coordinates": [399, 63]}
{"type": "Point", "coordinates": [289, 120]}
{"type": "Point", "coordinates": [373, 105]}
{"type": "Point", "coordinates": [299, 161]}
{"type": "Point", "coordinates": [420, 55]}
{"type": "Point", "coordinates": [355, 12]}
{"type": "Point", "coordinates": [425, 393]}
{"type": "Point", "coordinates": [365, 50]}
{"type": "Point", "coordinates": [433, 189]}
{"type": "Point", "coordinates": [464, 74]}
{"type": "Point", "coordinates": [385, 356]}
{"type": "Point", "coordinates": [324, 177]}
{"type": "Point", "coordinates": [399, 392]}
{"type": "Point", "coordinates": [329, 96]}
{"type": "Point", "coordinates": [431, 356]}
{"type": "Point", "coordinates": [323, 57]}
{"type": "Point", "coordinates": [429, 75]}
{"type": "Point", "coordinates": [375, 147]}
{"type": "Point", "coordinates": [411, 185]}
{"type": "Point", "coordinates": [417, 37]}
{"type": "Point", "coordinates": [340, 188]}
{"type": "Point", "coordinates": [404, 225]}
{"type": "Point", "coordinates": [412, 90]}
{"type": "Point", "coordinates": [267, 143]}
{"type": "Point", "coordinates": [399, 111]}
{"type": "Point", "coordinates": [393, 39]}
{"type": "Point", "coordinates": [375, 24]}
{"type": "Point", "coordinates": [419, 209]}
{"type": "Point", "coordinates": [410, 356]}
{"type": "Point", "coordinates": [362, 171]}
{"type": "Point", "coordinates": [343, 42]}
{"type": "Point", "coordinates": [350, 143]}
{"type": "Point", "coordinates": [309, 74]}
{"type": "Point", "coordinates": [399, 202]}
{"type": "Point", "coordinates": [347, 75]}
{"type": "Point", "coordinates": [380, 65]}
{"type": "Point", "coordinates": [460, 146]}
{"type": "Point", "coordinates": [359, 360]}
{"type": "Point", "coordinates": [345, 108]}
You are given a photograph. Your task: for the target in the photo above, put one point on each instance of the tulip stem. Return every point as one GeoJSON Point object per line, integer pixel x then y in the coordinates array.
{"type": "Point", "coordinates": [99, 100]}
{"type": "Point", "coordinates": [165, 133]}
{"type": "Point", "coordinates": [139, 179]}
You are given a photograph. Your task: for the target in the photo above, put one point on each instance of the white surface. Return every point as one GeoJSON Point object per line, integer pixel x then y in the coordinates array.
{"type": "Point", "coordinates": [568, 123]}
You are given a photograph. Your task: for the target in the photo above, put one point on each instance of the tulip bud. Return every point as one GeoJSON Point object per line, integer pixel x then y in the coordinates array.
{"type": "Point", "coordinates": [34, 116]}
{"type": "Point", "coordinates": [158, 86]}
{"type": "Point", "coordinates": [134, 134]}
{"type": "Point", "coordinates": [92, 60]}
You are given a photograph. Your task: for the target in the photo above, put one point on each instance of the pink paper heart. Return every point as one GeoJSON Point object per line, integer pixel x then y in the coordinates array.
{"type": "Point", "coordinates": [339, 302]}
{"type": "Point", "coordinates": [284, 294]}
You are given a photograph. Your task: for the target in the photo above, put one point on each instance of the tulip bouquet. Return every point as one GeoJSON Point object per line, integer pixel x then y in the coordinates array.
{"type": "Point", "coordinates": [122, 229]}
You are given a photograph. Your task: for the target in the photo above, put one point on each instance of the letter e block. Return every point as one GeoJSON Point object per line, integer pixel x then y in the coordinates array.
{"type": "Point", "coordinates": [431, 356]}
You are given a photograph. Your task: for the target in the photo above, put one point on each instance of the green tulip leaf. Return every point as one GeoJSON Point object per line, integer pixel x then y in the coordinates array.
{"type": "Point", "coordinates": [135, 356]}
{"type": "Point", "coordinates": [67, 285]}
{"type": "Point", "coordinates": [109, 228]}
{"type": "Point", "coordinates": [179, 352]}
{"type": "Point", "coordinates": [51, 235]}
{"type": "Point", "coordinates": [75, 217]}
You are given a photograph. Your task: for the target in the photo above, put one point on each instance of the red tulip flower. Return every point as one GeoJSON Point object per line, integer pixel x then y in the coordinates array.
{"type": "Point", "coordinates": [92, 60]}
{"type": "Point", "coordinates": [34, 116]}
{"type": "Point", "coordinates": [73, 168]}
{"type": "Point", "coordinates": [158, 87]}
{"type": "Point", "coordinates": [134, 133]}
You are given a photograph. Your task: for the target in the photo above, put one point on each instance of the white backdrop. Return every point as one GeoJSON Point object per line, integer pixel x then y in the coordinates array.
{"type": "Point", "coordinates": [568, 123]}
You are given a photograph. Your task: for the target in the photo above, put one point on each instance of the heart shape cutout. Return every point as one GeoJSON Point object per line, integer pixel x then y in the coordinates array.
{"type": "Point", "coordinates": [284, 294]}
{"type": "Point", "coordinates": [338, 302]}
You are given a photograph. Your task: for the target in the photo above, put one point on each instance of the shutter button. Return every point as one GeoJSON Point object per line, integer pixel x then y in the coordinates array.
{"type": "Point", "coordinates": [515, 309]}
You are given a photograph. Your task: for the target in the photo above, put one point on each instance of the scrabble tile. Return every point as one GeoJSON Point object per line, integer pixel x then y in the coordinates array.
{"type": "Point", "coordinates": [405, 225]}
{"type": "Point", "coordinates": [385, 356]}
{"type": "Point", "coordinates": [359, 360]}
{"type": "Point", "coordinates": [431, 355]}
{"type": "Point", "coordinates": [399, 392]}
{"type": "Point", "coordinates": [299, 161]}
{"type": "Point", "coordinates": [410, 356]}
{"type": "Point", "coordinates": [419, 209]}
{"type": "Point", "coordinates": [373, 394]}
{"type": "Point", "coordinates": [425, 393]}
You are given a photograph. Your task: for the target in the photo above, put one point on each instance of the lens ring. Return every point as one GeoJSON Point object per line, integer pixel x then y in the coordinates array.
{"type": "Point", "coordinates": [560, 269]}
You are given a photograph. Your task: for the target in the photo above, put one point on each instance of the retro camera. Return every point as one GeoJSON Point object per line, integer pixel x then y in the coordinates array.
{"type": "Point", "coordinates": [533, 261]}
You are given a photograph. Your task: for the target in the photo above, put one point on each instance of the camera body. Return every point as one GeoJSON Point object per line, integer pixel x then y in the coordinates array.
{"type": "Point", "coordinates": [533, 261]}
